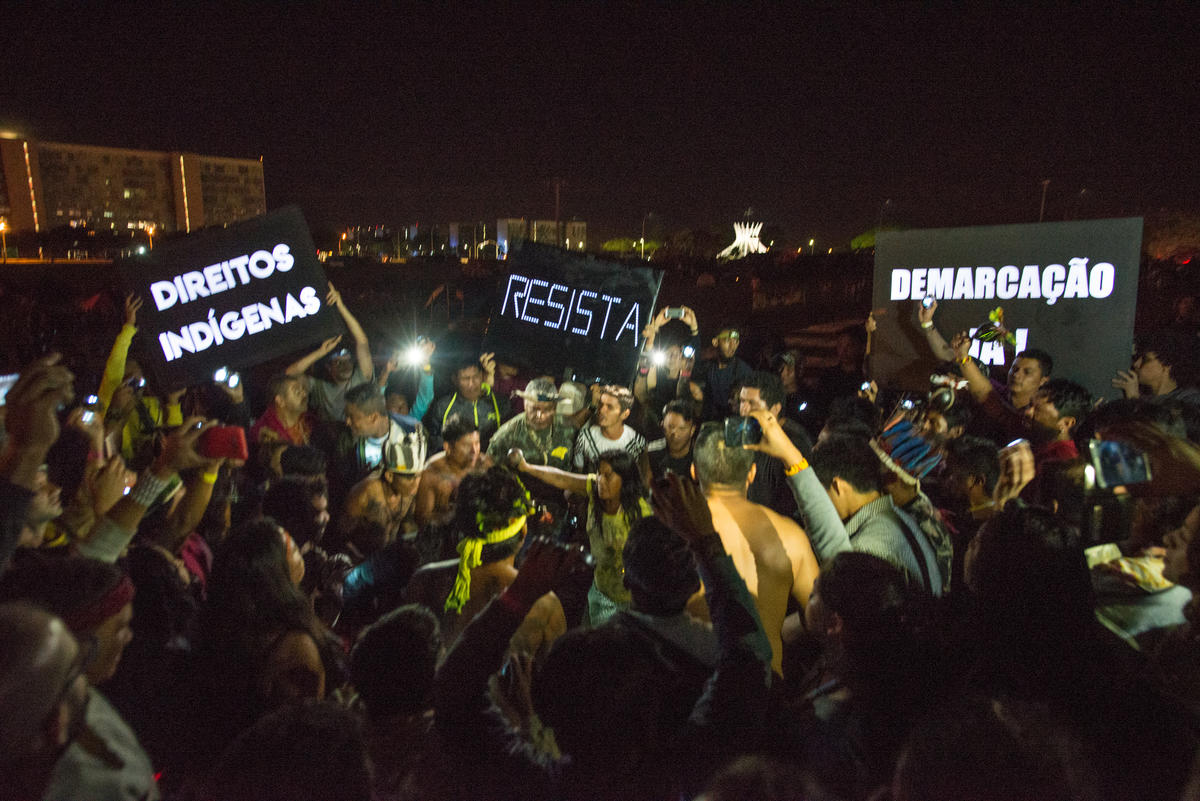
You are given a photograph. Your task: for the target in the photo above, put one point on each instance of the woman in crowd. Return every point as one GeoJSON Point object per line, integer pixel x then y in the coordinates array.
{"type": "Point", "coordinates": [616, 499]}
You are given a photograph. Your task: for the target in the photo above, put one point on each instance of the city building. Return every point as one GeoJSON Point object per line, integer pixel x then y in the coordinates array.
{"type": "Point", "coordinates": [508, 231]}
{"type": "Point", "coordinates": [48, 185]}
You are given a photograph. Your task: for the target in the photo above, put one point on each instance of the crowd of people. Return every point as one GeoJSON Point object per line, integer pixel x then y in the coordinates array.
{"type": "Point", "coordinates": [724, 581]}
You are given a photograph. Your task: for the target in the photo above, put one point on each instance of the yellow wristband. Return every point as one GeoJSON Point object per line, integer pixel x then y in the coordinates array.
{"type": "Point", "coordinates": [927, 324]}
{"type": "Point", "coordinates": [964, 360]}
{"type": "Point", "coordinates": [796, 468]}
{"type": "Point", "coordinates": [210, 478]}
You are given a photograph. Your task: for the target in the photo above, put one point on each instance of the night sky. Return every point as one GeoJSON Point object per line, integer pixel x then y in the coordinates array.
{"type": "Point", "coordinates": [815, 118]}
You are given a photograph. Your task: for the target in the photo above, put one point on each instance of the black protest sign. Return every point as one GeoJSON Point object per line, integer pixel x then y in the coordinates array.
{"type": "Point", "coordinates": [1066, 288]}
{"type": "Point", "coordinates": [233, 297]}
{"type": "Point", "coordinates": [563, 312]}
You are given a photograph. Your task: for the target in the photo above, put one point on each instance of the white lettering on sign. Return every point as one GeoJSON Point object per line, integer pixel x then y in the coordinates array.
{"type": "Point", "coordinates": [217, 278]}
{"type": "Point", "coordinates": [233, 325]}
{"type": "Point", "coordinates": [1051, 283]}
{"type": "Point", "coordinates": [540, 302]}
{"type": "Point", "coordinates": [993, 352]}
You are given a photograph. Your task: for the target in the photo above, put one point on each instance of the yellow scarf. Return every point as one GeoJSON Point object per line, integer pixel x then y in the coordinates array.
{"type": "Point", "coordinates": [470, 552]}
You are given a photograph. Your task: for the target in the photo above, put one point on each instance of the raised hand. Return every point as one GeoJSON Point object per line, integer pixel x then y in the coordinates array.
{"type": "Point", "coordinates": [926, 315]}
{"type": "Point", "coordinates": [680, 504]}
{"type": "Point", "coordinates": [1127, 382]}
{"type": "Point", "coordinates": [547, 565]}
{"type": "Point", "coordinates": [132, 304]}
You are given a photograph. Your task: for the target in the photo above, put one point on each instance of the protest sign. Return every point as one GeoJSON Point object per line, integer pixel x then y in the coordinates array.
{"type": "Point", "coordinates": [232, 297]}
{"type": "Point", "coordinates": [1067, 288]}
{"type": "Point", "coordinates": [563, 312]}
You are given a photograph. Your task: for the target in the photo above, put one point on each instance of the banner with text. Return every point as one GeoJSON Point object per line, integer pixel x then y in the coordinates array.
{"type": "Point", "coordinates": [233, 297]}
{"type": "Point", "coordinates": [1067, 288]}
{"type": "Point", "coordinates": [558, 311]}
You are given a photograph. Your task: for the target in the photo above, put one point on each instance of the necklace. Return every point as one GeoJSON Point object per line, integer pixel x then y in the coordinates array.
{"type": "Point", "coordinates": [542, 445]}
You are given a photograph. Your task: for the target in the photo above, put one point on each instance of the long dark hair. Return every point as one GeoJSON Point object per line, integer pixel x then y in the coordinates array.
{"type": "Point", "coordinates": [251, 595]}
{"type": "Point", "coordinates": [633, 491]}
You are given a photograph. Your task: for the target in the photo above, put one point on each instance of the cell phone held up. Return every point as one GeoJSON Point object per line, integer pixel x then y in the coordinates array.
{"type": "Point", "coordinates": [223, 442]}
{"type": "Point", "coordinates": [741, 431]}
{"type": "Point", "coordinates": [1117, 463]}
{"type": "Point", "coordinates": [674, 313]}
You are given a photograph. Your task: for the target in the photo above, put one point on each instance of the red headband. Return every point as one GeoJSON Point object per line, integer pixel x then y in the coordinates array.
{"type": "Point", "coordinates": [89, 617]}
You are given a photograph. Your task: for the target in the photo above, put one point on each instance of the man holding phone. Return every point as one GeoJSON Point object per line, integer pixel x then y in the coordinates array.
{"type": "Point", "coordinates": [763, 392]}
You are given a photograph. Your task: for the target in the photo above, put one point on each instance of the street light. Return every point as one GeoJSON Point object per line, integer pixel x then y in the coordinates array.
{"type": "Point", "coordinates": [150, 233]}
{"type": "Point", "coordinates": [812, 246]}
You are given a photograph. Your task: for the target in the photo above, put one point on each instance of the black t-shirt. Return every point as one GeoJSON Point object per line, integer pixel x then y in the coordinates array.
{"type": "Point", "coordinates": [770, 487]}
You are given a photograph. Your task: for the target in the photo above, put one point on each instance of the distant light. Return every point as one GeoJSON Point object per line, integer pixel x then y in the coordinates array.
{"type": "Point", "coordinates": [141, 249]}
{"type": "Point", "coordinates": [812, 242]}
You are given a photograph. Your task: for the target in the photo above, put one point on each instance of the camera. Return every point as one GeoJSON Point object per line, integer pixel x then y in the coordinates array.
{"type": "Point", "coordinates": [674, 313]}
{"type": "Point", "coordinates": [658, 358]}
{"type": "Point", "coordinates": [741, 431]}
{"type": "Point", "coordinates": [688, 351]}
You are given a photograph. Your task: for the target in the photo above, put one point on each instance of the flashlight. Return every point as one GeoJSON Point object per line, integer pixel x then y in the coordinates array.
{"type": "Point", "coordinates": [223, 375]}
{"type": "Point", "coordinates": [688, 351]}
{"type": "Point", "coordinates": [658, 358]}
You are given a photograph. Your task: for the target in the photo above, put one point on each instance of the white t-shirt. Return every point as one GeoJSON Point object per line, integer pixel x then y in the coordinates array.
{"type": "Point", "coordinates": [591, 442]}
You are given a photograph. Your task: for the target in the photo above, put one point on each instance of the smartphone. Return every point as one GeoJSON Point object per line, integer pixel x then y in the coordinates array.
{"type": "Point", "coordinates": [1118, 463]}
{"type": "Point", "coordinates": [741, 431]}
{"type": "Point", "coordinates": [674, 312]}
{"type": "Point", "coordinates": [865, 386]}
{"type": "Point", "coordinates": [223, 442]}
{"type": "Point", "coordinates": [688, 351]}
{"type": "Point", "coordinates": [927, 301]}
{"type": "Point", "coordinates": [6, 383]}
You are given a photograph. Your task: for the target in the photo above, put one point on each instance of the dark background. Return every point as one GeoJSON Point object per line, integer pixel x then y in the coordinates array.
{"type": "Point", "coordinates": [825, 120]}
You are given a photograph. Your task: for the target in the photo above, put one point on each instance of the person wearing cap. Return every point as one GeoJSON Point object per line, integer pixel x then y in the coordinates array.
{"type": "Point", "coordinates": [718, 376]}
{"type": "Point", "coordinates": [60, 739]}
{"type": "Point", "coordinates": [387, 497]}
{"type": "Point", "coordinates": [545, 436]}
{"type": "Point", "coordinates": [346, 368]}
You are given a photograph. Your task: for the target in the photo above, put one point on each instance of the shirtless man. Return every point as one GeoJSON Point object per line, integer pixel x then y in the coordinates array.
{"type": "Point", "coordinates": [386, 497]}
{"type": "Point", "coordinates": [770, 551]}
{"type": "Point", "coordinates": [461, 455]}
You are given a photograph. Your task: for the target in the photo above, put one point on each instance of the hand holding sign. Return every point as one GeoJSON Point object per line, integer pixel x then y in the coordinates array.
{"type": "Point", "coordinates": [333, 297]}
{"type": "Point", "coordinates": [233, 297]}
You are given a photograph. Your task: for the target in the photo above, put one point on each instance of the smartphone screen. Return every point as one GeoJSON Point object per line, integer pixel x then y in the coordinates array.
{"type": "Point", "coordinates": [6, 383]}
{"type": "Point", "coordinates": [1118, 463]}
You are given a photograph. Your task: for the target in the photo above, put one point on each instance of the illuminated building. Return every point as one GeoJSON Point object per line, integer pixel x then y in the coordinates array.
{"type": "Point", "coordinates": [745, 241]}
{"type": "Point", "coordinates": [47, 185]}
